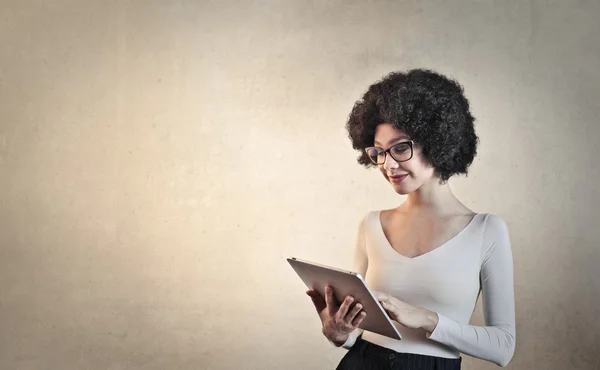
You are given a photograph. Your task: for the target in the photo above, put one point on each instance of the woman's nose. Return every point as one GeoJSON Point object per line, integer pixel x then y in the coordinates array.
{"type": "Point", "coordinates": [389, 162]}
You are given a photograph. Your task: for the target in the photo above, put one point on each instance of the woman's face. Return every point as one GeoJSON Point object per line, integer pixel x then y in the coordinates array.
{"type": "Point", "coordinates": [407, 176]}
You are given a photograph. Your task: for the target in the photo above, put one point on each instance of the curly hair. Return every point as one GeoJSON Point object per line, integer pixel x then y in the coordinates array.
{"type": "Point", "coordinates": [430, 108]}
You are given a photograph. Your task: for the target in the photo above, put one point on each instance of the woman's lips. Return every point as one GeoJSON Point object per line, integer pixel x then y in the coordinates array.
{"type": "Point", "coordinates": [397, 179]}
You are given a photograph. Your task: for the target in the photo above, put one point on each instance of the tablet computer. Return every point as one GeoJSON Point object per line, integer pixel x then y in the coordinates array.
{"type": "Point", "coordinates": [315, 276]}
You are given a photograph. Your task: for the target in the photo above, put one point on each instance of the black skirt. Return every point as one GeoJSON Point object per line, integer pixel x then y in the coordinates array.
{"type": "Point", "coordinates": [368, 356]}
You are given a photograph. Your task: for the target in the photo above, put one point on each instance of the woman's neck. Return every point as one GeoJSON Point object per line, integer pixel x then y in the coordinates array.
{"type": "Point", "coordinates": [432, 198]}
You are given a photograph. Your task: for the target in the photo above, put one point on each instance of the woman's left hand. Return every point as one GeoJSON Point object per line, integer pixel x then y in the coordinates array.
{"type": "Point", "coordinates": [407, 314]}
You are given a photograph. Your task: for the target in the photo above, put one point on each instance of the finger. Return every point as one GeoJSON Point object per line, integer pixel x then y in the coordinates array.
{"type": "Point", "coordinates": [380, 295]}
{"type": "Point", "coordinates": [388, 306]}
{"type": "Point", "coordinates": [359, 318]}
{"type": "Point", "coordinates": [353, 312]}
{"type": "Point", "coordinates": [329, 301]}
{"type": "Point", "coordinates": [390, 310]}
{"type": "Point", "coordinates": [343, 310]}
{"type": "Point", "coordinates": [317, 300]}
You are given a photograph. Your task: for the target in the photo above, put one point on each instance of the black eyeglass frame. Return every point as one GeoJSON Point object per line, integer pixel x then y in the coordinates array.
{"type": "Point", "coordinates": [387, 151]}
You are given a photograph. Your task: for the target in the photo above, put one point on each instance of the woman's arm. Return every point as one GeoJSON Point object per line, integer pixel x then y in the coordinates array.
{"type": "Point", "coordinates": [496, 340]}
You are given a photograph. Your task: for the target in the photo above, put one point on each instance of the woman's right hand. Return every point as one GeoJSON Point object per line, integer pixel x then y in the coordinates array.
{"type": "Point", "coordinates": [338, 320]}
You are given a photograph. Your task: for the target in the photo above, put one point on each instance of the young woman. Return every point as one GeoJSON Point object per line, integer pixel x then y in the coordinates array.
{"type": "Point", "coordinates": [429, 258]}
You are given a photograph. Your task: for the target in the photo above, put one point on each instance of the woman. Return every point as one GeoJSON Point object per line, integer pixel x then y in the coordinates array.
{"type": "Point", "coordinates": [428, 259]}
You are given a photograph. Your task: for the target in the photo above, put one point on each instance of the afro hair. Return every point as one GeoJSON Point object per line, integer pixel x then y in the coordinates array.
{"type": "Point", "coordinates": [430, 108]}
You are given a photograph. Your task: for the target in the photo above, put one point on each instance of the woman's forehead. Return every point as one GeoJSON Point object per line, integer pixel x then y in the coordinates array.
{"type": "Point", "coordinates": [386, 133]}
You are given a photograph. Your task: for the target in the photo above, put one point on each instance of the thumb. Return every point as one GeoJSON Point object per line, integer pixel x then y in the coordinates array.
{"type": "Point", "coordinates": [317, 300]}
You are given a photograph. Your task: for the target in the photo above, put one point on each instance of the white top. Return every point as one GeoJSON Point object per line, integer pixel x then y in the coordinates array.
{"type": "Point", "coordinates": [446, 280]}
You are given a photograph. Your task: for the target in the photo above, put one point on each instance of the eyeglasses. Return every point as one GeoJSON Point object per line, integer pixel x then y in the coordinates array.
{"type": "Point", "coordinates": [400, 152]}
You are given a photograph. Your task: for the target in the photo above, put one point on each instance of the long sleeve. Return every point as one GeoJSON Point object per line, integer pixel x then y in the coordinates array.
{"type": "Point", "coordinates": [496, 341]}
{"type": "Point", "coordinates": [360, 264]}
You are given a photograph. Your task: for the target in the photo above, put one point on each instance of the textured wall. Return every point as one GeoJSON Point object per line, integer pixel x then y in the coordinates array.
{"type": "Point", "coordinates": [160, 159]}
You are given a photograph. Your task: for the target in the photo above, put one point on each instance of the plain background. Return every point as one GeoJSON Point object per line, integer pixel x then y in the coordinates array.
{"type": "Point", "coordinates": [160, 159]}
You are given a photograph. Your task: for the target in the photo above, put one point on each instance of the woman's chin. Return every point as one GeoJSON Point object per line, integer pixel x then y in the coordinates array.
{"type": "Point", "coordinates": [400, 189]}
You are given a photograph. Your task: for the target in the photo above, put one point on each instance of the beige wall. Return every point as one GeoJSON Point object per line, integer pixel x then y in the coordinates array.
{"type": "Point", "coordinates": [160, 159]}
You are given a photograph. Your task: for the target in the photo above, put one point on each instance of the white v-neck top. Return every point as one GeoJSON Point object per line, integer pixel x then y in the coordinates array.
{"type": "Point", "coordinates": [448, 281]}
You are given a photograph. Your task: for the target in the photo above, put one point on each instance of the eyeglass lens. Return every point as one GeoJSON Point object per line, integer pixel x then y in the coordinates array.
{"type": "Point", "coordinates": [400, 152]}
